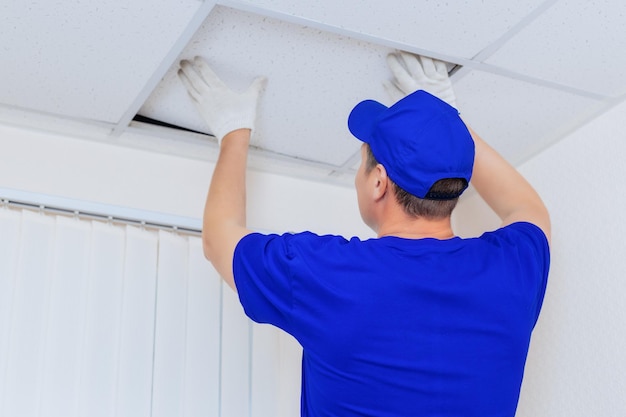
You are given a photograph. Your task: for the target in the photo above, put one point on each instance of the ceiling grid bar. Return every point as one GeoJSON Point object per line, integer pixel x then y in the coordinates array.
{"type": "Point", "coordinates": [521, 25]}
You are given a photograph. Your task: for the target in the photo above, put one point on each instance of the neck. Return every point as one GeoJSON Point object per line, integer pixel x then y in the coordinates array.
{"type": "Point", "coordinates": [417, 228]}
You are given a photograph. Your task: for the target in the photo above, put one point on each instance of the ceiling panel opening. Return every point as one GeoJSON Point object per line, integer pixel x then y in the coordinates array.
{"type": "Point", "coordinates": [314, 79]}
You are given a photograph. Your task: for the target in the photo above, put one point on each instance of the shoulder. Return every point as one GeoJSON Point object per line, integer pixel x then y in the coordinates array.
{"type": "Point", "coordinates": [292, 243]}
{"type": "Point", "coordinates": [523, 239]}
{"type": "Point", "coordinates": [518, 231]}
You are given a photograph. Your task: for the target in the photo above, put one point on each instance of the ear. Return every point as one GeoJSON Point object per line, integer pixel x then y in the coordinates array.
{"type": "Point", "coordinates": [381, 182]}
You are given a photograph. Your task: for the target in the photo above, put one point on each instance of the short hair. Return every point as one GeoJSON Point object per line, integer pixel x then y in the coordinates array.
{"type": "Point", "coordinates": [421, 207]}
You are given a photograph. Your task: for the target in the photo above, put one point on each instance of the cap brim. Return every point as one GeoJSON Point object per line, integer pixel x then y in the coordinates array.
{"type": "Point", "coordinates": [363, 118]}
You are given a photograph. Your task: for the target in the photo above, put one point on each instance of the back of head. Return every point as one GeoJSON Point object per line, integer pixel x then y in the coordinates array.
{"type": "Point", "coordinates": [421, 207]}
{"type": "Point", "coordinates": [424, 146]}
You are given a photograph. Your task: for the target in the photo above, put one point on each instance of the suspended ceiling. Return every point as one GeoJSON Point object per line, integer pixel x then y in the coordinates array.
{"type": "Point", "coordinates": [527, 72]}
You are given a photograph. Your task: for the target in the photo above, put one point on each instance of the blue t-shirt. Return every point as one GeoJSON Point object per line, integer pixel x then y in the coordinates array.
{"type": "Point", "coordinates": [401, 327]}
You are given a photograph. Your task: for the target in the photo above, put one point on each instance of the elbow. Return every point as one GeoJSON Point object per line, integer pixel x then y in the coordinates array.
{"type": "Point", "coordinates": [219, 240]}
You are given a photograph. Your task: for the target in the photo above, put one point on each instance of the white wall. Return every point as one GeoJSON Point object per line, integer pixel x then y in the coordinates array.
{"type": "Point", "coordinates": [114, 175]}
{"type": "Point", "coordinates": [577, 362]}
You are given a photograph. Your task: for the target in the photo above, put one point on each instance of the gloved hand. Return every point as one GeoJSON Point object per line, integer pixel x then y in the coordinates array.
{"type": "Point", "coordinates": [415, 72]}
{"type": "Point", "coordinates": [223, 109]}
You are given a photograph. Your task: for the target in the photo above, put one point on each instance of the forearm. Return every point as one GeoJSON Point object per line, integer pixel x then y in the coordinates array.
{"type": "Point", "coordinates": [224, 221]}
{"type": "Point", "coordinates": [505, 190]}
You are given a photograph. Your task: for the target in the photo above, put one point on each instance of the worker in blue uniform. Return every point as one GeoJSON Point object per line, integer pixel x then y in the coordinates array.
{"type": "Point", "coordinates": [414, 322]}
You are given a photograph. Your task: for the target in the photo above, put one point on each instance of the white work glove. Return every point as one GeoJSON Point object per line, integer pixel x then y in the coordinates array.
{"type": "Point", "coordinates": [416, 72]}
{"type": "Point", "coordinates": [223, 109]}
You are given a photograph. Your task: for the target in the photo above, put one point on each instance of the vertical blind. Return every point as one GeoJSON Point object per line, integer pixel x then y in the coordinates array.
{"type": "Point", "coordinates": [102, 319]}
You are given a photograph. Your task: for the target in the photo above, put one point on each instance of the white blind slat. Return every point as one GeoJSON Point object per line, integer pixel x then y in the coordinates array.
{"type": "Point", "coordinates": [202, 376]}
{"type": "Point", "coordinates": [26, 335]}
{"type": "Point", "coordinates": [134, 383]}
{"type": "Point", "coordinates": [10, 223]}
{"type": "Point", "coordinates": [65, 317]}
{"type": "Point", "coordinates": [235, 361]}
{"type": "Point", "coordinates": [171, 316]}
{"type": "Point", "coordinates": [102, 321]}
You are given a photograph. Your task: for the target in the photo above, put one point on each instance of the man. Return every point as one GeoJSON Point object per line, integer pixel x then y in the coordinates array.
{"type": "Point", "coordinates": [417, 322]}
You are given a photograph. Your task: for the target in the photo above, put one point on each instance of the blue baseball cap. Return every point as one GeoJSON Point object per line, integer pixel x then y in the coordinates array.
{"type": "Point", "coordinates": [419, 140]}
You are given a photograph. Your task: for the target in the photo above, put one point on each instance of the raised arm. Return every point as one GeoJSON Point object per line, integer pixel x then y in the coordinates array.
{"type": "Point", "coordinates": [503, 188]}
{"type": "Point", "coordinates": [231, 117]}
{"type": "Point", "coordinates": [224, 220]}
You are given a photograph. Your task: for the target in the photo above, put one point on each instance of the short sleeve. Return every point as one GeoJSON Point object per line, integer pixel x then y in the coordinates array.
{"type": "Point", "coordinates": [532, 245]}
{"type": "Point", "coordinates": [536, 244]}
{"type": "Point", "coordinates": [261, 266]}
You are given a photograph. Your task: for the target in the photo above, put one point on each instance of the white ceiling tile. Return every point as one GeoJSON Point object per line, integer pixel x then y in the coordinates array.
{"type": "Point", "coordinates": [315, 78]}
{"type": "Point", "coordinates": [455, 28]}
{"type": "Point", "coordinates": [85, 60]}
{"type": "Point", "coordinates": [517, 118]}
{"type": "Point", "coordinates": [578, 43]}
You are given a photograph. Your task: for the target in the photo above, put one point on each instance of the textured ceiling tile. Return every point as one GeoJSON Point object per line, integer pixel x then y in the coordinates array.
{"type": "Point", "coordinates": [314, 80]}
{"type": "Point", "coordinates": [85, 59]}
{"type": "Point", "coordinates": [578, 43]}
{"type": "Point", "coordinates": [517, 118]}
{"type": "Point", "coordinates": [456, 28]}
